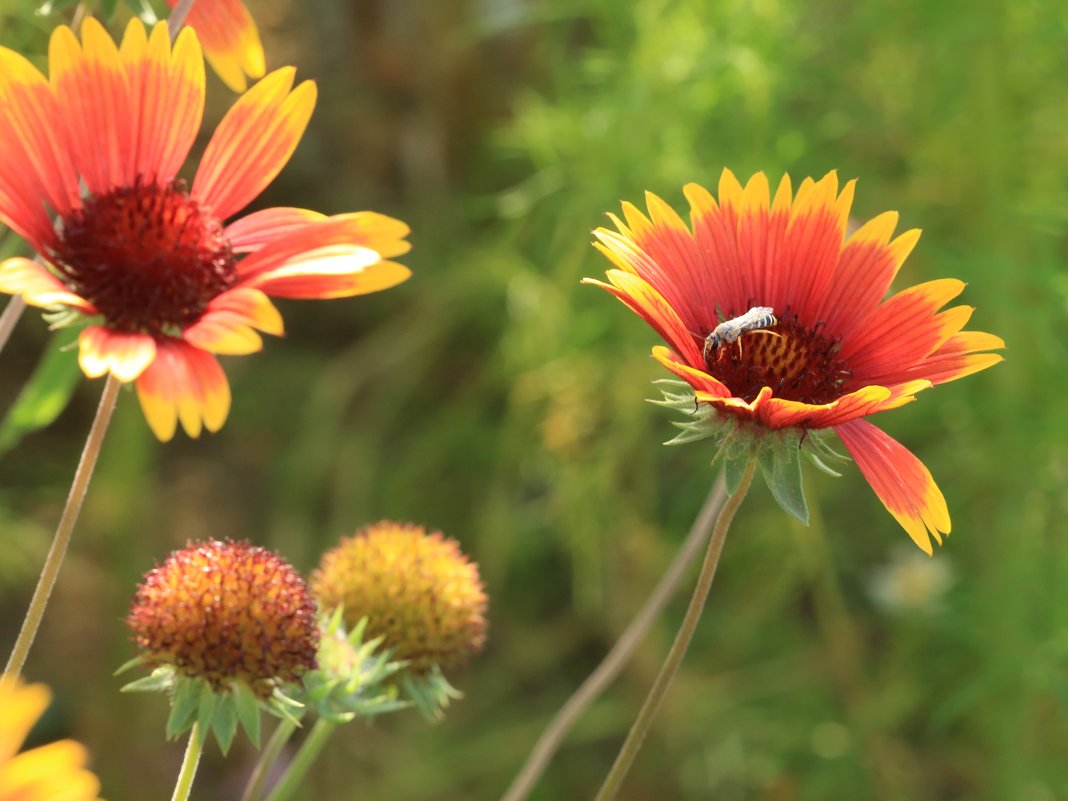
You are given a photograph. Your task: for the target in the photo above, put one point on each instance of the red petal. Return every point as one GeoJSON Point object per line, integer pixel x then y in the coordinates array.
{"type": "Point", "coordinates": [901, 481]}
{"type": "Point", "coordinates": [253, 142]}
{"type": "Point", "coordinates": [255, 230]}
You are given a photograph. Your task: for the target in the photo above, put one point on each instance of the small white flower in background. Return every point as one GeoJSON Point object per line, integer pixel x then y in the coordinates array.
{"type": "Point", "coordinates": [911, 582]}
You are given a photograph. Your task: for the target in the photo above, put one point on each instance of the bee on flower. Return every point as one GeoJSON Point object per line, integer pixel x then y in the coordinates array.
{"type": "Point", "coordinates": [841, 351]}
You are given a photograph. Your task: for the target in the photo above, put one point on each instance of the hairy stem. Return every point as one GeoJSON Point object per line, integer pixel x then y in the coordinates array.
{"type": "Point", "coordinates": [674, 658]}
{"type": "Point", "coordinates": [621, 652]}
{"type": "Point", "coordinates": [63, 531]}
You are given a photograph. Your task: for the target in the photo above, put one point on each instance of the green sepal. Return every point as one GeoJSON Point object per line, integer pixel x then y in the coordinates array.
{"type": "Point", "coordinates": [224, 720]}
{"type": "Point", "coordinates": [780, 464]}
{"type": "Point", "coordinates": [206, 710]}
{"type": "Point", "coordinates": [159, 680]}
{"type": "Point", "coordinates": [354, 678]}
{"type": "Point", "coordinates": [140, 659]}
{"type": "Point", "coordinates": [184, 706]}
{"type": "Point", "coordinates": [430, 693]}
{"type": "Point", "coordinates": [248, 711]}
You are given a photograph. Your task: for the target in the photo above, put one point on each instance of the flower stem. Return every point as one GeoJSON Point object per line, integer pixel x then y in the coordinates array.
{"type": "Point", "coordinates": [268, 756]}
{"type": "Point", "coordinates": [63, 531]}
{"type": "Point", "coordinates": [302, 762]}
{"type": "Point", "coordinates": [613, 663]}
{"type": "Point", "coordinates": [12, 313]}
{"type": "Point", "coordinates": [177, 17]}
{"type": "Point", "coordinates": [193, 749]}
{"type": "Point", "coordinates": [674, 658]}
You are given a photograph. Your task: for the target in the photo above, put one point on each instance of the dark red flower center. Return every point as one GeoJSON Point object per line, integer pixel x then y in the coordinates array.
{"type": "Point", "coordinates": [798, 363]}
{"type": "Point", "coordinates": [149, 257]}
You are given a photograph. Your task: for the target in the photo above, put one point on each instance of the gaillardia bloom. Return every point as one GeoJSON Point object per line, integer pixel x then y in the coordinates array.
{"type": "Point", "coordinates": [835, 351]}
{"type": "Point", "coordinates": [166, 284]}
{"type": "Point", "coordinates": [53, 772]}
{"type": "Point", "coordinates": [231, 41]}
{"type": "Point", "coordinates": [227, 613]}
{"type": "Point", "coordinates": [417, 590]}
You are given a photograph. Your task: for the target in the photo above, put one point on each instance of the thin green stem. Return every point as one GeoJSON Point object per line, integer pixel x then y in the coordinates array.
{"type": "Point", "coordinates": [12, 313]}
{"type": "Point", "coordinates": [178, 16]}
{"type": "Point", "coordinates": [188, 771]}
{"type": "Point", "coordinates": [621, 652]}
{"type": "Point", "coordinates": [63, 531]}
{"type": "Point", "coordinates": [268, 756]}
{"type": "Point", "coordinates": [302, 762]}
{"type": "Point", "coordinates": [674, 658]}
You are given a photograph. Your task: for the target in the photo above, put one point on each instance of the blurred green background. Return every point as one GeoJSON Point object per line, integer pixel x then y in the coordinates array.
{"type": "Point", "coordinates": [494, 398]}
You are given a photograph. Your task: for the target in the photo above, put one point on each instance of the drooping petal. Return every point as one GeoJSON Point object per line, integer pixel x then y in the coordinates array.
{"type": "Point", "coordinates": [337, 257]}
{"type": "Point", "coordinates": [124, 355]}
{"type": "Point", "coordinates": [35, 163]}
{"type": "Point", "coordinates": [228, 323]}
{"type": "Point", "coordinates": [253, 231]}
{"type": "Point", "coordinates": [231, 41]}
{"type": "Point", "coordinates": [253, 142]}
{"type": "Point", "coordinates": [38, 287]}
{"type": "Point", "coordinates": [183, 384]}
{"type": "Point", "coordinates": [901, 481]}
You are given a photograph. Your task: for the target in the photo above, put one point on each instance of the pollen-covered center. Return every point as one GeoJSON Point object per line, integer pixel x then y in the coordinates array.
{"type": "Point", "coordinates": [149, 257]}
{"type": "Point", "coordinates": [797, 362]}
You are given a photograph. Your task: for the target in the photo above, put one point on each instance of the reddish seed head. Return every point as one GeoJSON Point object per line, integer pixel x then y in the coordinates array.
{"type": "Point", "coordinates": [149, 257]}
{"type": "Point", "coordinates": [797, 362]}
{"type": "Point", "coordinates": [226, 612]}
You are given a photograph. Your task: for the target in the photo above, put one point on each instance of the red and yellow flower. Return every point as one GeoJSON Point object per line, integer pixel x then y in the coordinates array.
{"type": "Point", "coordinates": [88, 166]}
{"type": "Point", "coordinates": [230, 39]}
{"type": "Point", "coordinates": [840, 350]}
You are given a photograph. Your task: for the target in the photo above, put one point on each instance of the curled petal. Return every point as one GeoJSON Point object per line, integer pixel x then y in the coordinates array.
{"type": "Point", "coordinates": [227, 324]}
{"type": "Point", "coordinates": [901, 481]}
{"type": "Point", "coordinates": [184, 384]}
{"type": "Point", "coordinates": [124, 355]}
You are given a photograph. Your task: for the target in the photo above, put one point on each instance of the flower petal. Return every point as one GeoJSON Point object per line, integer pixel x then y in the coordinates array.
{"type": "Point", "coordinates": [636, 293]}
{"type": "Point", "coordinates": [167, 100]}
{"type": "Point", "coordinates": [704, 385]}
{"type": "Point", "coordinates": [183, 384]}
{"type": "Point", "coordinates": [231, 41]}
{"type": "Point", "coordinates": [338, 257]}
{"type": "Point", "coordinates": [901, 481]}
{"type": "Point", "coordinates": [38, 287]}
{"type": "Point", "coordinates": [253, 142]}
{"type": "Point", "coordinates": [903, 330]}
{"type": "Point", "coordinates": [90, 83]}
{"type": "Point", "coordinates": [227, 324]}
{"type": "Point", "coordinates": [35, 163]}
{"type": "Point", "coordinates": [255, 230]}
{"type": "Point", "coordinates": [124, 355]}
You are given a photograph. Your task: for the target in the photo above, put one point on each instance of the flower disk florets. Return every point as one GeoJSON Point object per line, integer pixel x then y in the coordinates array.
{"type": "Point", "coordinates": [149, 257]}
{"type": "Point", "coordinates": [227, 612]}
{"type": "Point", "coordinates": [417, 591]}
